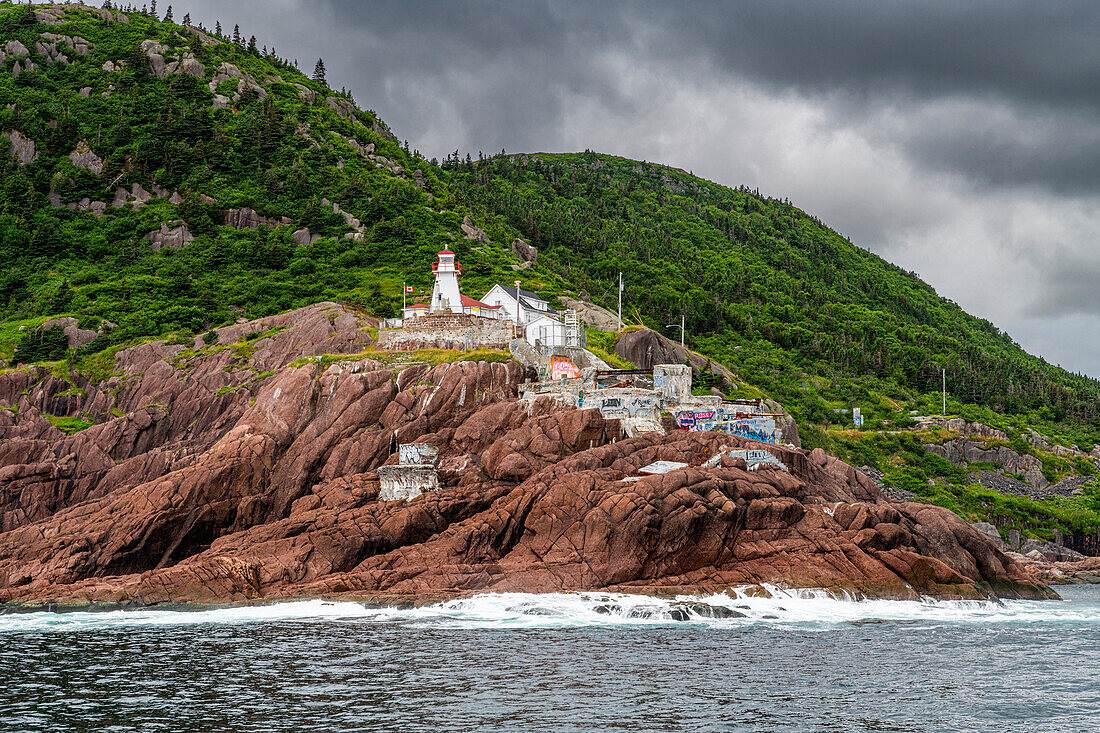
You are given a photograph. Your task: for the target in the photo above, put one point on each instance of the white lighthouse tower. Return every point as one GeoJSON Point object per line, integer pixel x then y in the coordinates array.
{"type": "Point", "coordinates": [445, 294]}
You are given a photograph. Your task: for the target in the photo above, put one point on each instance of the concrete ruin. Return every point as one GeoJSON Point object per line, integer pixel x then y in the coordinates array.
{"type": "Point", "coordinates": [754, 458]}
{"type": "Point", "coordinates": [639, 397]}
{"type": "Point", "coordinates": [414, 473]}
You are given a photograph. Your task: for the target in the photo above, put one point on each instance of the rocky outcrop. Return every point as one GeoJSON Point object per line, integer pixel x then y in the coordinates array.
{"type": "Point", "coordinates": [84, 157]}
{"type": "Point", "coordinates": [15, 49]}
{"type": "Point", "coordinates": [78, 45]}
{"type": "Point", "coordinates": [227, 72]}
{"type": "Point", "coordinates": [962, 427]}
{"type": "Point", "coordinates": [50, 51]}
{"type": "Point", "coordinates": [22, 147]}
{"type": "Point", "coordinates": [601, 318]}
{"type": "Point", "coordinates": [527, 253]}
{"type": "Point", "coordinates": [175, 237]}
{"type": "Point", "coordinates": [77, 336]}
{"type": "Point", "coordinates": [341, 106]}
{"type": "Point", "coordinates": [469, 231]}
{"type": "Point", "coordinates": [304, 237]}
{"type": "Point", "coordinates": [305, 93]}
{"type": "Point", "coordinates": [248, 468]}
{"type": "Point", "coordinates": [203, 37]}
{"type": "Point", "coordinates": [962, 452]}
{"type": "Point", "coordinates": [246, 218]}
{"type": "Point", "coordinates": [161, 63]}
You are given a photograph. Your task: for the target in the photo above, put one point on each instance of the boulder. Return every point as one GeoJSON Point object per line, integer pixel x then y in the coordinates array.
{"type": "Point", "coordinates": [176, 237]}
{"type": "Point", "coordinates": [341, 106]}
{"type": "Point", "coordinates": [469, 231]}
{"type": "Point", "coordinates": [525, 251]}
{"type": "Point", "coordinates": [246, 218]}
{"type": "Point", "coordinates": [16, 49]}
{"type": "Point", "coordinates": [304, 237]}
{"type": "Point", "coordinates": [77, 336]}
{"type": "Point", "coordinates": [22, 147]}
{"type": "Point", "coordinates": [305, 93]}
{"type": "Point", "coordinates": [84, 157]}
{"type": "Point", "coordinates": [192, 66]}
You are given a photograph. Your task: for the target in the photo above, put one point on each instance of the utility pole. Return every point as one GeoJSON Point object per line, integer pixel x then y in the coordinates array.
{"type": "Point", "coordinates": [944, 393]}
{"type": "Point", "coordinates": [517, 304]}
{"type": "Point", "coordinates": [620, 301]}
{"type": "Point", "coordinates": [404, 289]}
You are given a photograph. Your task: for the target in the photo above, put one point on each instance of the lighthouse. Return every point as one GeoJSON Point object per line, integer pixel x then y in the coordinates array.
{"type": "Point", "coordinates": [445, 294]}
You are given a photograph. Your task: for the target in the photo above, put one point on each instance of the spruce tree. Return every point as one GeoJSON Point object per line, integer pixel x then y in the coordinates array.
{"type": "Point", "coordinates": [153, 8]}
{"type": "Point", "coordinates": [218, 29]}
{"type": "Point", "coordinates": [168, 15]}
{"type": "Point", "coordinates": [319, 72]}
{"type": "Point", "coordinates": [187, 18]}
{"type": "Point", "coordinates": [252, 46]}
{"type": "Point", "coordinates": [237, 34]}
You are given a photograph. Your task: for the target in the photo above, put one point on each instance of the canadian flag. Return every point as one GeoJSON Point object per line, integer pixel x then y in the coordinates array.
{"type": "Point", "coordinates": [409, 288]}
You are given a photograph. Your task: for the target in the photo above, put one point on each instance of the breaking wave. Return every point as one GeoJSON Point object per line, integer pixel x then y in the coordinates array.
{"type": "Point", "coordinates": [808, 609]}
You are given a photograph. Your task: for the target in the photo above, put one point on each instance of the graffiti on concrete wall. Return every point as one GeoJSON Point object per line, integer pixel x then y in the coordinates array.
{"type": "Point", "coordinates": [562, 367]}
{"type": "Point", "coordinates": [755, 427]}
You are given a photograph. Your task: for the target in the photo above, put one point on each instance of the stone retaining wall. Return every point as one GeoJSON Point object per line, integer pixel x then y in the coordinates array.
{"type": "Point", "coordinates": [448, 331]}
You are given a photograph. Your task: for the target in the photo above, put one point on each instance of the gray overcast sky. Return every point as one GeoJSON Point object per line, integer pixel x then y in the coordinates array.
{"type": "Point", "coordinates": [958, 140]}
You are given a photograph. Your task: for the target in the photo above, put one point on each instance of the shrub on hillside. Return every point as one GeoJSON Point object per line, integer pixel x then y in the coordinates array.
{"type": "Point", "coordinates": [41, 344]}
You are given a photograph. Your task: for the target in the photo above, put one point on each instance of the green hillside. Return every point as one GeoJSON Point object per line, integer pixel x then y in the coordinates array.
{"type": "Point", "coordinates": [790, 304]}
{"type": "Point", "coordinates": [275, 141]}
{"type": "Point", "coordinates": [147, 135]}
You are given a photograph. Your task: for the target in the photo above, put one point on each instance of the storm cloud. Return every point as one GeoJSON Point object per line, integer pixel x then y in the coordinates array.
{"type": "Point", "coordinates": [959, 140]}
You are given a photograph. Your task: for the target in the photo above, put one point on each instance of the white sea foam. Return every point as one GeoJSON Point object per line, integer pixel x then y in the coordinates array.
{"type": "Point", "coordinates": [807, 609]}
{"type": "Point", "coordinates": [82, 620]}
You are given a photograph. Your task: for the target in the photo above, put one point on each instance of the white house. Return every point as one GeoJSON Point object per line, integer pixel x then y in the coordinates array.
{"type": "Point", "coordinates": [530, 305]}
{"type": "Point", "coordinates": [545, 331]}
{"type": "Point", "coordinates": [473, 307]}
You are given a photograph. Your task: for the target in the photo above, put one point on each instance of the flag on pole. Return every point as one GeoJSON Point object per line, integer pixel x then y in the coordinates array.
{"type": "Point", "coordinates": [409, 288]}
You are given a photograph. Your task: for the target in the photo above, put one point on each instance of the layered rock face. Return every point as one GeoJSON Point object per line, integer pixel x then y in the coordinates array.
{"type": "Point", "coordinates": [249, 470]}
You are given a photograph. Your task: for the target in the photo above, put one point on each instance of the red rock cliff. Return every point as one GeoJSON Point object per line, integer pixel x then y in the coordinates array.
{"type": "Point", "coordinates": [231, 474]}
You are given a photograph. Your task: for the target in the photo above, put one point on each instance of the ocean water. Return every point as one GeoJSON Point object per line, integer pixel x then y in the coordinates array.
{"type": "Point", "coordinates": [798, 661]}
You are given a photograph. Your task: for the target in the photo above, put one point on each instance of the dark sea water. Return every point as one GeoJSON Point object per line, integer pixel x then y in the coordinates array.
{"type": "Point", "coordinates": [589, 662]}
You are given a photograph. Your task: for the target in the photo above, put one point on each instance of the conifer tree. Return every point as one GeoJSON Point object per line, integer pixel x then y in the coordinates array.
{"type": "Point", "coordinates": [252, 45]}
{"type": "Point", "coordinates": [187, 18]}
{"type": "Point", "coordinates": [168, 15]}
{"type": "Point", "coordinates": [237, 34]}
{"type": "Point", "coordinates": [319, 72]}
{"type": "Point", "coordinates": [153, 8]}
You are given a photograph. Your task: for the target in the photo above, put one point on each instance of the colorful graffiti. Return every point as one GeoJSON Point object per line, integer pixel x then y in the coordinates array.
{"type": "Point", "coordinates": [562, 367]}
{"type": "Point", "coordinates": [754, 427]}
